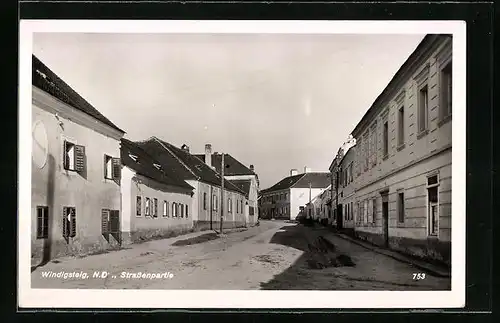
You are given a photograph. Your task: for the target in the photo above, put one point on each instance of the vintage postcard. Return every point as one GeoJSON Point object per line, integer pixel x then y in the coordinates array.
{"type": "Point", "coordinates": [242, 164]}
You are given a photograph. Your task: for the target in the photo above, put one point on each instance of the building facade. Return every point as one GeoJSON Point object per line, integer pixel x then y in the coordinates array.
{"type": "Point", "coordinates": [284, 199]}
{"type": "Point", "coordinates": [346, 188]}
{"type": "Point", "coordinates": [403, 157]}
{"type": "Point", "coordinates": [240, 176]}
{"type": "Point", "coordinates": [207, 184]}
{"type": "Point", "coordinates": [154, 202]}
{"type": "Point", "coordinates": [71, 185]}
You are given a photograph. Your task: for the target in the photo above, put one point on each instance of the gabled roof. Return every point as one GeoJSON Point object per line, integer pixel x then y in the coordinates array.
{"type": "Point", "coordinates": [242, 184]}
{"type": "Point", "coordinates": [233, 166]}
{"type": "Point", "coordinates": [183, 164]}
{"type": "Point", "coordinates": [46, 80]}
{"type": "Point", "coordinates": [305, 180]}
{"type": "Point", "coordinates": [143, 164]}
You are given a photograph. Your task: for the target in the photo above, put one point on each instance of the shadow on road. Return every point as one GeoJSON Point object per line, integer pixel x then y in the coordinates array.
{"type": "Point", "coordinates": [319, 253]}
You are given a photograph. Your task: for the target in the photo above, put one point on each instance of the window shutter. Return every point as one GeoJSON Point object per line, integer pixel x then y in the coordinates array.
{"type": "Point", "coordinates": [105, 166]}
{"type": "Point", "coordinates": [187, 211]}
{"type": "Point", "coordinates": [65, 222]}
{"type": "Point", "coordinates": [72, 222]}
{"type": "Point", "coordinates": [79, 158]}
{"type": "Point", "coordinates": [105, 221]}
{"type": "Point", "coordinates": [65, 155]}
{"type": "Point", "coordinates": [114, 221]}
{"type": "Point", "coordinates": [117, 167]}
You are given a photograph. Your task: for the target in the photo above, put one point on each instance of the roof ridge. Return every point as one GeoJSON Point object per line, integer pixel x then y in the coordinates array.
{"type": "Point", "coordinates": [175, 156]}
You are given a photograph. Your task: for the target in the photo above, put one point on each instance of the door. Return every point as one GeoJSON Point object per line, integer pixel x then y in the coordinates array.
{"type": "Point", "coordinates": [385, 217]}
{"type": "Point", "coordinates": [340, 217]}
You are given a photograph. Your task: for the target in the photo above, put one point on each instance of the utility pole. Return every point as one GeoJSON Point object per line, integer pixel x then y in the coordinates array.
{"type": "Point", "coordinates": [222, 192]}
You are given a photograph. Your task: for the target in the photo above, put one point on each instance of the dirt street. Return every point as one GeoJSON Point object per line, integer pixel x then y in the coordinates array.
{"type": "Point", "coordinates": [274, 255]}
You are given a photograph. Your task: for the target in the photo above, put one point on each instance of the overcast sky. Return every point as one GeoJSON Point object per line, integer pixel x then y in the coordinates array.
{"type": "Point", "coordinates": [275, 101]}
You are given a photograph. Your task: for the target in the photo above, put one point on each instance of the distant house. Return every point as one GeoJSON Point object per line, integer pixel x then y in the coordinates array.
{"type": "Point", "coordinates": [284, 199]}
{"type": "Point", "coordinates": [207, 183]}
{"type": "Point", "coordinates": [154, 202]}
{"type": "Point", "coordinates": [346, 189]}
{"type": "Point", "coordinates": [76, 170]}
{"type": "Point", "coordinates": [238, 174]}
{"type": "Point", "coordinates": [318, 207]}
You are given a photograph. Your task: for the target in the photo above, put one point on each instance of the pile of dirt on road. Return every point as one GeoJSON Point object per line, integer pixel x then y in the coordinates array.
{"type": "Point", "coordinates": [322, 254]}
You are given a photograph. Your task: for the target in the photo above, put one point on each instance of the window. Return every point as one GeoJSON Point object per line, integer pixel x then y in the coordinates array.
{"type": "Point", "coordinates": [433, 205]}
{"type": "Point", "coordinates": [251, 210]}
{"type": "Point", "coordinates": [165, 209]}
{"type": "Point", "coordinates": [229, 206]}
{"type": "Point", "coordinates": [69, 221]}
{"type": "Point", "coordinates": [42, 222]}
{"type": "Point", "coordinates": [181, 207]}
{"type": "Point", "coordinates": [386, 138]}
{"type": "Point", "coordinates": [423, 104]}
{"type": "Point", "coordinates": [174, 210]}
{"type": "Point", "coordinates": [74, 157]}
{"type": "Point", "coordinates": [358, 220]}
{"type": "Point", "coordinates": [186, 211]}
{"type": "Point", "coordinates": [112, 167]}
{"type": "Point", "coordinates": [138, 206]}
{"type": "Point", "coordinates": [214, 202]}
{"type": "Point", "coordinates": [147, 208]}
{"type": "Point", "coordinates": [365, 212]}
{"type": "Point", "coordinates": [445, 91]}
{"type": "Point", "coordinates": [352, 211]}
{"type": "Point", "coordinates": [401, 126]}
{"type": "Point", "coordinates": [401, 207]}
{"type": "Point", "coordinates": [374, 211]}
{"type": "Point", "coordinates": [366, 151]}
{"type": "Point", "coordinates": [374, 144]}
{"type": "Point", "coordinates": [286, 196]}
{"type": "Point", "coordinates": [317, 210]}
{"type": "Point", "coordinates": [110, 221]}
{"type": "Point", "coordinates": [155, 208]}
{"type": "Point", "coordinates": [204, 201]}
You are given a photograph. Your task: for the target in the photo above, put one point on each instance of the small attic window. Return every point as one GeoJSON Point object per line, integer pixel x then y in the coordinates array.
{"type": "Point", "coordinates": [158, 166]}
{"type": "Point", "coordinates": [134, 157]}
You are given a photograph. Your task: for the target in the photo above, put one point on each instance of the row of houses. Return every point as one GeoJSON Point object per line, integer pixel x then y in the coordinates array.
{"type": "Point", "coordinates": [93, 189]}
{"type": "Point", "coordinates": [390, 182]}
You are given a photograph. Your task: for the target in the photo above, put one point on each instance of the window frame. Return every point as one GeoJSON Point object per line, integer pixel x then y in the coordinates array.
{"type": "Point", "coordinates": [401, 206]}
{"type": "Point", "coordinates": [42, 222]}
{"type": "Point", "coordinates": [165, 209]}
{"type": "Point", "coordinates": [138, 206]}
{"type": "Point", "coordinates": [428, 188]}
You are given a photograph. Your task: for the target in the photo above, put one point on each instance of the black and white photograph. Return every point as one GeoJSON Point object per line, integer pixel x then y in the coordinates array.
{"type": "Point", "coordinates": [211, 163]}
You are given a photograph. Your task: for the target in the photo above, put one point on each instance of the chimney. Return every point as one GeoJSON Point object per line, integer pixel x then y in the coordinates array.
{"type": "Point", "coordinates": [208, 155]}
{"type": "Point", "coordinates": [293, 172]}
{"type": "Point", "coordinates": [251, 168]}
{"type": "Point", "coordinates": [185, 148]}
{"type": "Point", "coordinates": [307, 169]}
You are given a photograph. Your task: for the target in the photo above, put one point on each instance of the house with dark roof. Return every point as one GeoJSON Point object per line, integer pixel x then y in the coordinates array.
{"type": "Point", "coordinates": [76, 171]}
{"type": "Point", "coordinates": [284, 199]}
{"type": "Point", "coordinates": [239, 175]}
{"type": "Point", "coordinates": [207, 184]}
{"type": "Point", "coordinates": [155, 203]}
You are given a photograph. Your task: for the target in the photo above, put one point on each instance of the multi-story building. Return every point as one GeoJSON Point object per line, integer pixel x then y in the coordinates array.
{"type": "Point", "coordinates": [284, 199]}
{"type": "Point", "coordinates": [346, 188]}
{"type": "Point", "coordinates": [155, 203]}
{"type": "Point", "coordinates": [239, 175]}
{"type": "Point", "coordinates": [71, 185]}
{"type": "Point", "coordinates": [403, 156]}
{"type": "Point", "coordinates": [207, 184]}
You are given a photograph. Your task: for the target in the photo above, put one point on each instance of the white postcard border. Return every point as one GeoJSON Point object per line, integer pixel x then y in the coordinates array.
{"type": "Point", "coordinates": [83, 298]}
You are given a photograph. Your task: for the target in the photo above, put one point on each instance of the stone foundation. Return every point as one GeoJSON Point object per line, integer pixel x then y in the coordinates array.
{"type": "Point", "coordinates": [143, 235]}
{"type": "Point", "coordinates": [205, 225]}
{"type": "Point", "coordinates": [429, 249]}
{"type": "Point", "coordinates": [73, 246]}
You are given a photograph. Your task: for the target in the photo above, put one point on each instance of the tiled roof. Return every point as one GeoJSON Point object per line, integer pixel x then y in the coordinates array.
{"type": "Point", "coordinates": [315, 179]}
{"type": "Point", "coordinates": [233, 166]}
{"type": "Point", "coordinates": [183, 164]}
{"type": "Point", "coordinates": [243, 184]}
{"type": "Point", "coordinates": [46, 80]}
{"type": "Point", "coordinates": [140, 161]}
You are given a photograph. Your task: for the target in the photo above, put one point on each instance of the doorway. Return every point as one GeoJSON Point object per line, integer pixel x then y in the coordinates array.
{"type": "Point", "coordinates": [385, 217]}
